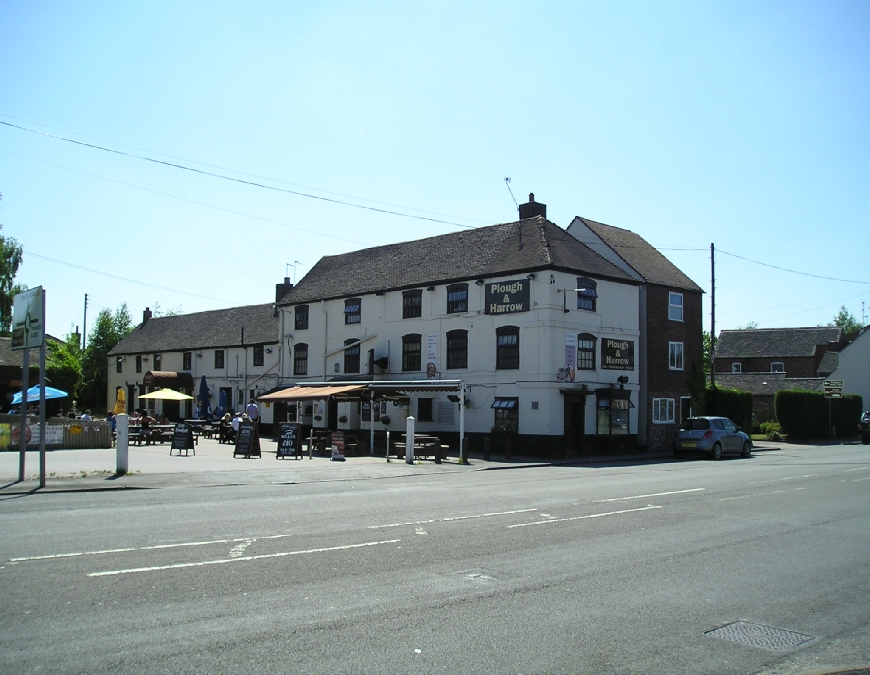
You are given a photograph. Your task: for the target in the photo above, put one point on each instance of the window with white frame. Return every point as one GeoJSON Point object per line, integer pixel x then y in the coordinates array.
{"type": "Point", "coordinates": [777, 367]}
{"type": "Point", "coordinates": [663, 411]}
{"type": "Point", "coordinates": [675, 355]}
{"type": "Point", "coordinates": [675, 306]}
{"type": "Point", "coordinates": [736, 367]}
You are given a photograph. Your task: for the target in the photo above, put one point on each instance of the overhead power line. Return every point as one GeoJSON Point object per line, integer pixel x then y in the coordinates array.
{"type": "Point", "coordinates": [115, 276]}
{"type": "Point", "coordinates": [254, 175]}
{"type": "Point", "coordinates": [237, 180]}
{"type": "Point", "coordinates": [785, 269]}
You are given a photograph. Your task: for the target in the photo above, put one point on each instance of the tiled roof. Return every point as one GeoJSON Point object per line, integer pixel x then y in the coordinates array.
{"type": "Point", "coordinates": [203, 330]}
{"type": "Point", "coordinates": [829, 363]}
{"type": "Point", "coordinates": [766, 384]}
{"type": "Point", "coordinates": [774, 342]}
{"type": "Point", "coordinates": [8, 357]}
{"type": "Point", "coordinates": [496, 250]}
{"type": "Point", "coordinates": [642, 256]}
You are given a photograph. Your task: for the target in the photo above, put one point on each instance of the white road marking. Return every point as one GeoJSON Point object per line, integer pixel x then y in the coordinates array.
{"type": "Point", "coordinates": [224, 561]}
{"type": "Point", "coordinates": [761, 494]}
{"type": "Point", "coordinates": [145, 548]}
{"type": "Point", "coordinates": [656, 494]}
{"type": "Point", "coordinates": [593, 515]}
{"type": "Point", "coordinates": [451, 519]}
{"type": "Point", "coordinates": [777, 480]}
{"type": "Point", "coordinates": [855, 480]}
{"type": "Point", "coordinates": [863, 468]}
{"type": "Point", "coordinates": [239, 548]}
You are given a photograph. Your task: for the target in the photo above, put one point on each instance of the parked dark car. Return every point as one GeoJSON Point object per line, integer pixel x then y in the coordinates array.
{"type": "Point", "coordinates": [864, 428]}
{"type": "Point", "coordinates": [713, 435]}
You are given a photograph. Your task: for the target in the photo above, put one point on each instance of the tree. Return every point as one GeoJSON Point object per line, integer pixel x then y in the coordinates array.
{"type": "Point", "coordinates": [846, 321]}
{"type": "Point", "coordinates": [63, 365]}
{"type": "Point", "coordinates": [109, 329]}
{"type": "Point", "coordinates": [709, 346]}
{"type": "Point", "coordinates": [10, 260]}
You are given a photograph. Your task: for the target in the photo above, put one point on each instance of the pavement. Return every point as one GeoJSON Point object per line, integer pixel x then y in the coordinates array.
{"type": "Point", "coordinates": [212, 463]}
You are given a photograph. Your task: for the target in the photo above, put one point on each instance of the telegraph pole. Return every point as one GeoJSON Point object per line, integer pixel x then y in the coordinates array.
{"type": "Point", "coordinates": [85, 323]}
{"type": "Point", "coordinates": [712, 314]}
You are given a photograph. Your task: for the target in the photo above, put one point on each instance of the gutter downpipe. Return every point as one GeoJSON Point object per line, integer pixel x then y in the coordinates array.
{"type": "Point", "coordinates": [463, 458]}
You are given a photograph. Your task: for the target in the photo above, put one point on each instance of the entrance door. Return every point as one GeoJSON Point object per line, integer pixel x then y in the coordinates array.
{"type": "Point", "coordinates": [332, 413]}
{"type": "Point", "coordinates": [131, 392]}
{"type": "Point", "coordinates": [575, 423]}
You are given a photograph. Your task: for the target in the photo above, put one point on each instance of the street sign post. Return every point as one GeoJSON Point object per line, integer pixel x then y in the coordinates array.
{"type": "Point", "coordinates": [833, 388]}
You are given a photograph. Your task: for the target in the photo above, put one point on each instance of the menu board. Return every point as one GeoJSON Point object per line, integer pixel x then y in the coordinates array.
{"type": "Point", "coordinates": [288, 442]}
{"type": "Point", "coordinates": [247, 441]}
{"type": "Point", "coordinates": [182, 437]}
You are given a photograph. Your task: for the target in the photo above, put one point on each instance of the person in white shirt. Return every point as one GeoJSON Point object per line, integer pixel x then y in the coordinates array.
{"type": "Point", "coordinates": [236, 421]}
{"type": "Point", "coordinates": [253, 412]}
{"type": "Point", "coordinates": [87, 416]}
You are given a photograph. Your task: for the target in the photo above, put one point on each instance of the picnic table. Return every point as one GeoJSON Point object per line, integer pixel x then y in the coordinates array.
{"type": "Point", "coordinates": [425, 446]}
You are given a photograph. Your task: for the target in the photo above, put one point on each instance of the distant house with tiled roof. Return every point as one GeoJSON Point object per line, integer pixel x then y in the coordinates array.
{"type": "Point", "coordinates": [763, 361]}
{"type": "Point", "coordinates": [236, 349]}
{"type": "Point", "coordinates": [542, 327]}
{"type": "Point", "coordinates": [671, 339]}
{"type": "Point", "coordinates": [797, 352]}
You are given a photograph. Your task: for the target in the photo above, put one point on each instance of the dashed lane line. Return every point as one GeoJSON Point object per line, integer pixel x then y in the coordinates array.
{"type": "Point", "coordinates": [591, 515]}
{"type": "Point", "coordinates": [451, 519]}
{"type": "Point", "coordinates": [655, 494]}
{"type": "Point", "coordinates": [155, 547]}
{"type": "Point", "coordinates": [248, 558]}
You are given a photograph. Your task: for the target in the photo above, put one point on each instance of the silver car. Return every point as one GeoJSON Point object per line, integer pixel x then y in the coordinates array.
{"type": "Point", "coordinates": [713, 435]}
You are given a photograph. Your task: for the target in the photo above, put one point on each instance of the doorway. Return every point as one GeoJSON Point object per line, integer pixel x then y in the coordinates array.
{"type": "Point", "coordinates": [575, 423]}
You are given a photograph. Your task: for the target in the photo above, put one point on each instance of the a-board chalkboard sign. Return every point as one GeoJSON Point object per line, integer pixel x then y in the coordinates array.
{"type": "Point", "coordinates": [288, 443]}
{"type": "Point", "coordinates": [182, 438]}
{"type": "Point", "coordinates": [247, 441]}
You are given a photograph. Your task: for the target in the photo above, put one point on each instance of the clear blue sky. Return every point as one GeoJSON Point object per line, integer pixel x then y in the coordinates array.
{"type": "Point", "coordinates": [740, 124]}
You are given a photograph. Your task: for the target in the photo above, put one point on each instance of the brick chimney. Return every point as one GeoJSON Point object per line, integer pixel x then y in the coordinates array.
{"type": "Point", "coordinates": [532, 208]}
{"type": "Point", "coordinates": [281, 289]}
{"type": "Point", "coordinates": [146, 315]}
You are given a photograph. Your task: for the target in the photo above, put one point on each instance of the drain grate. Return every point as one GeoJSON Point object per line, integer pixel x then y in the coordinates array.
{"type": "Point", "coordinates": [757, 635]}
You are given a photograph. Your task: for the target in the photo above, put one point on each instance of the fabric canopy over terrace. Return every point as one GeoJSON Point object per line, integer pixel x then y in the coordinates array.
{"type": "Point", "coordinates": [322, 390]}
{"type": "Point", "coordinates": [310, 393]}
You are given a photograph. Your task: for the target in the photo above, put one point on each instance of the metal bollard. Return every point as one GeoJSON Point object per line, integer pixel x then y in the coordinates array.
{"type": "Point", "coordinates": [122, 443]}
{"type": "Point", "coordinates": [409, 440]}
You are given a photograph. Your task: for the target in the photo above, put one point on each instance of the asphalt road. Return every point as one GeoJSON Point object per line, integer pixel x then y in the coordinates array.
{"type": "Point", "coordinates": [753, 565]}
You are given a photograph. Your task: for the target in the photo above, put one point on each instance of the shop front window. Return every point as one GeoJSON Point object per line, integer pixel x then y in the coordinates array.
{"type": "Point", "coordinates": [613, 412]}
{"type": "Point", "coordinates": [507, 414]}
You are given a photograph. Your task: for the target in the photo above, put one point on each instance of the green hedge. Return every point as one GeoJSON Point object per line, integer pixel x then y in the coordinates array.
{"type": "Point", "coordinates": [734, 404]}
{"type": "Point", "coordinates": [804, 414]}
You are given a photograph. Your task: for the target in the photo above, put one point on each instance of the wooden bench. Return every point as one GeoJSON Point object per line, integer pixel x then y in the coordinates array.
{"type": "Point", "coordinates": [424, 447]}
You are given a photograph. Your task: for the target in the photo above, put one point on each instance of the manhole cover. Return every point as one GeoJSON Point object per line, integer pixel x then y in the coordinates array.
{"type": "Point", "coordinates": [757, 635]}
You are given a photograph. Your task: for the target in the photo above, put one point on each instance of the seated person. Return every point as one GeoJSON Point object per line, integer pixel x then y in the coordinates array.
{"type": "Point", "coordinates": [145, 422]}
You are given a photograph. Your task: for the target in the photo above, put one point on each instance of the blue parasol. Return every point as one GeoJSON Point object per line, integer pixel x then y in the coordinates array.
{"type": "Point", "coordinates": [222, 403]}
{"type": "Point", "coordinates": [204, 412]}
{"type": "Point", "coordinates": [33, 394]}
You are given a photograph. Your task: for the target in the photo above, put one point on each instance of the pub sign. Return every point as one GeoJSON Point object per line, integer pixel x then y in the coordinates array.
{"type": "Point", "coordinates": [507, 297]}
{"type": "Point", "coordinates": [617, 354]}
